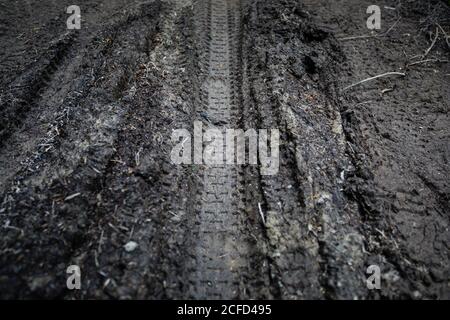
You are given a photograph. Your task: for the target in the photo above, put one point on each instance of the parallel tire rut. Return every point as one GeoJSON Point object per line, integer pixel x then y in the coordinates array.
{"type": "Point", "coordinates": [220, 248]}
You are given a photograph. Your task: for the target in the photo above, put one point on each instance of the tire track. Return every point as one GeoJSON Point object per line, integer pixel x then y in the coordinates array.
{"type": "Point", "coordinates": [220, 249]}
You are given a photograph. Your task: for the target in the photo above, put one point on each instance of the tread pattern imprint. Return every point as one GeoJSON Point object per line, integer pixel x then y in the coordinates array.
{"type": "Point", "coordinates": [219, 246]}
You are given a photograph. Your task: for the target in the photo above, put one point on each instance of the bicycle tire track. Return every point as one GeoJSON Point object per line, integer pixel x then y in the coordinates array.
{"type": "Point", "coordinates": [220, 247]}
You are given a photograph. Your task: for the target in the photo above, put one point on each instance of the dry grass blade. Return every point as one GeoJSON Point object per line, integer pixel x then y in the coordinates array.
{"type": "Point", "coordinates": [375, 77]}
{"type": "Point", "coordinates": [372, 36]}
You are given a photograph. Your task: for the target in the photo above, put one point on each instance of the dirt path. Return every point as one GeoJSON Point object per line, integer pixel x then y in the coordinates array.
{"type": "Point", "coordinates": [86, 118]}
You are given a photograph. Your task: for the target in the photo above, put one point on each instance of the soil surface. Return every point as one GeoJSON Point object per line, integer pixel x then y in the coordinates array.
{"type": "Point", "coordinates": [86, 122]}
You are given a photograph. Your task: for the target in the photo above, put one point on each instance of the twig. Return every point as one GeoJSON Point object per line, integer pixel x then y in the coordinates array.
{"type": "Point", "coordinates": [375, 77]}
{"type": "Point", "coordinates": [100, 242]}
{"type": "Point", "coordinates": [132, 229]}
{"type": "Point", "coordinates": [22, 233]}
{"type": "Point", "coordinates": [445, 34]}
{"type": "Point", "coordinates": [261, 213]}
{"type": "Point", "coordinates": [432, 44]}
{"type": "Point", "coordinates": [373, 35]}
{"type": "Point", "coordinates": [72, 196]}
{"type": "Point", "coordinates": [96, 259]}
{"type": "Point", "coordinates": [392, 27]}
{"type": "Point", "coordinates": [425, 61]}
{"type": "Point", "coordinates": [137, 156]}
{"type": "Point", "coordinates": [358, 37]}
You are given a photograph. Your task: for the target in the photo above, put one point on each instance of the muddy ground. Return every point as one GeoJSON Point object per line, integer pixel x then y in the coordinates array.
{"type": "Point", "coordinates": [86, 118]}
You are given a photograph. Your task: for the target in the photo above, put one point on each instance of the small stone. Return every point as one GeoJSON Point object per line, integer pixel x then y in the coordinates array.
{"type": "Point", "coordinates": [39, 283]}
{"type": "Point", "coordinates": [130, 246]}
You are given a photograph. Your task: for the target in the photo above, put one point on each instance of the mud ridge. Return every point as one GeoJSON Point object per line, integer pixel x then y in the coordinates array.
{"type": "Point", "coordinates": [23, 92]}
